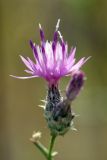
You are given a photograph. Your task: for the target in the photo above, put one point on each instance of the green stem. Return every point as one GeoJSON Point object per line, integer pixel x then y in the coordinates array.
{"type": "Point", "coordinates": [51, 147]}
{"type": "Point", "coordinates": [43, 149]}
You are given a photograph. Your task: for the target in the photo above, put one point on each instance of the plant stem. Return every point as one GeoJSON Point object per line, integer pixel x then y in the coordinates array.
{"type": "Point", "coordinates": [42, 148]}
{"type": "Point", "coordinates": [51, 147]}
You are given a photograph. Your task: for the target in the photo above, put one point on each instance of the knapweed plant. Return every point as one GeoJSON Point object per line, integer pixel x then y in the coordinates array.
{"type": "Point", "coordinates": [52, 62]}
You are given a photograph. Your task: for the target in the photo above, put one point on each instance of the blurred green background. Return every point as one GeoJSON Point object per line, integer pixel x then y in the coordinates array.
{"type": "Point", "coordinates": [84, 25]}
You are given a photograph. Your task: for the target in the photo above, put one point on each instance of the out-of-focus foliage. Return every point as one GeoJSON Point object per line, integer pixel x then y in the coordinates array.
{"type": "Point", "coordinates": [84, 25]}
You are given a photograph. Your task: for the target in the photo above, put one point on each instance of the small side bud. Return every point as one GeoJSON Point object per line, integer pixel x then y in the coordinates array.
{"type": "Point", "coordinates": [75, 85]}
{"type": "Point", "coordinates": [36, 136]}
{"type": "Point", "coordinates": [54, 153]}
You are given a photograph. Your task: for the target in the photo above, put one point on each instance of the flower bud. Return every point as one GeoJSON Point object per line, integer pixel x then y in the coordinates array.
{"type": "Point", "coordinates": [35, 136]}
{"type": "Point", "coordinates": [75, 85]}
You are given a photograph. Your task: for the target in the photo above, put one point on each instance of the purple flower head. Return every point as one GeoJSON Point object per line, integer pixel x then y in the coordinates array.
{"type": "Point", "coordinates": [52, 60]}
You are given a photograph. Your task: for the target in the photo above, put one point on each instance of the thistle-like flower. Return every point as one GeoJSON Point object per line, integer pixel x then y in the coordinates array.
{"type": "Point", "coordinates": [52, 60]}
